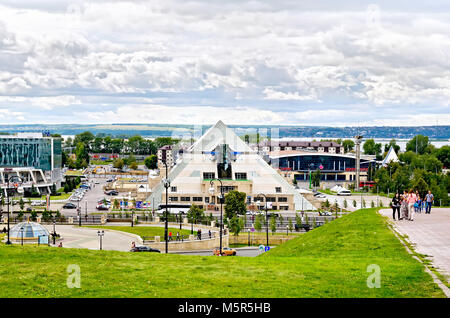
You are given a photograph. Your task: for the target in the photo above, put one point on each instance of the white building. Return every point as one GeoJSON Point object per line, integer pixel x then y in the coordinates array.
{"type": "Point", "coordinates": [220, 153]}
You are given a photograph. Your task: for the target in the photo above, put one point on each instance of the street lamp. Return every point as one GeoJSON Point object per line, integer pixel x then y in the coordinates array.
{"type": "Point", "coordinates": [8, 242]}
{"type": "Point", "coordinates": [54, 232]}
{"type": "Point", "coordinates": [181, 219]}
{"type": "Point", "coordinates": [21, 235]}
{"type": "Point", "coordinates": [265, 208]}
{"type": "Point", "coordinates": [166, 182]}
{"type": "Point", "coordinates": [212, 190]}
{"type": "Point", "coordinates": [100, 235]}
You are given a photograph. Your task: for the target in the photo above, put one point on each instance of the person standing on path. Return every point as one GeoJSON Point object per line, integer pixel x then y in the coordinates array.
{"type": "Point", "coordinates": [412, 198]}
{"type": "Point", "coordinates": [429, 198]}
{"type": "Point", "coordinates": [396, 206]}
{"type": "Point", "coordinates": [403, 207]}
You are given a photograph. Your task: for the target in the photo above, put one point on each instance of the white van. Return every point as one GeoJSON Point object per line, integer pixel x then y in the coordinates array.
{"type": "Point", "coordinates": [344, 192]}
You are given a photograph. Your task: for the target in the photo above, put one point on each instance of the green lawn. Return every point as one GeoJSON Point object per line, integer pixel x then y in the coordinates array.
{"type": "Point", "coordinates": [330, 261]}
{"type": "Point", "coordinates": [145, 230]}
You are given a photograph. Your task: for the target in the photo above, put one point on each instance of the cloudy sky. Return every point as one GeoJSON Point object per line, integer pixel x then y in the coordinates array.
{"type": "Point", "coordinates": [245, 62]}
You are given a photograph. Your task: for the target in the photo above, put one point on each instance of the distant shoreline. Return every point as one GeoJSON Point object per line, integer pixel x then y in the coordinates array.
{"type": "Point", "coordinates": [435, 133]}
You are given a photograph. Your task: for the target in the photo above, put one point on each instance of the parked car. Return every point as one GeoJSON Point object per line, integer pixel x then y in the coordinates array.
{"type": "Point", "coordinates": [226, 251]}
{"type": "Point", "coordinates": [69, 206]}
{"type": "Point", "coordinates": [102, 201]}
{"type": "Point", "coordinates": [144, 249]}
{"type": "Point", "coordinates": [325, 213]}
{"type": "Point", "coordinates": [344, 192]}
{"type": "Point", "coordinates": [38, 203]}
{"type": "Point", "coordinates": [112, 192]}
{"type": "Point", "coordinates": [102, 207]}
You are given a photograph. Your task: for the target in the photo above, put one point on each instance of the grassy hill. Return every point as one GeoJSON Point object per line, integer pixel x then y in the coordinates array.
{"type": "Point", "coordinates": [330, 261]}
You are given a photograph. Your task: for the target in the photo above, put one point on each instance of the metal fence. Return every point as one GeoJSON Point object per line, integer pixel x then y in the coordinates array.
{"type": "Point", "coordinates": [181, 238]}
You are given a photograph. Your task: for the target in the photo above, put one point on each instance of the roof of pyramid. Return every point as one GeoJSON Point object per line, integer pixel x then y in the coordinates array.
{"type": "Point", "coordinates": [217, 135]}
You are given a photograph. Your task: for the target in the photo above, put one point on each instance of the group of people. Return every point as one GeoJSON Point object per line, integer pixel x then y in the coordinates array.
{"type": "Point", "coordinates": [407, 204]}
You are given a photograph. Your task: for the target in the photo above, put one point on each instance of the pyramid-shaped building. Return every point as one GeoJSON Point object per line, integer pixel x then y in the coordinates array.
{"type": "Point", "coordinates": [220, 153]}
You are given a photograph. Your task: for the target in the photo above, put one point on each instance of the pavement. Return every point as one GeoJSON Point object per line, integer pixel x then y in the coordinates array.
{"type": "Point", "coordinates": [75, 237]}
{"type": "Point", "coordinates": [430, 235]}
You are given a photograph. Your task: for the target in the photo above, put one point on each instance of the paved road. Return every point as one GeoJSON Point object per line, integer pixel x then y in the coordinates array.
{"type": "Point", "coordinates": [431, 235]}
{"type": "Point", "coordinates": [75, 237]}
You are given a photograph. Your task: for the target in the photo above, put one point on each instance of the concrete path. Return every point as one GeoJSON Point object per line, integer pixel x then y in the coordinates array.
{"type": "Point", "coordinates": [75, 237]}
{"type": "Point", "coordinates": [430, 233]}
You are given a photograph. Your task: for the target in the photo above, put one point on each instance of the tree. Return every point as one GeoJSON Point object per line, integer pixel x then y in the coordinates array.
{"type": "Point", "coordinates": [348, 145]}
{"type": "Point", "coordinates": [443, 155]}
{"type": "Point", "coordinates": [273, 224]}
{"type": "Point", "coordinates": [392, 143]}
{"type": "Point", "coordinates": [151, 162]}
{"type": "Point", "coordinates": [258, 222]}
{"type": "Point", "coordinates": [236, 225]}
{"type": "Point", "coordinates": [235, 203]}
{"type": "Point", "coordinates": [21, 204]}
{"type": "Point", "coordinates": [298, 220]}
{"type": "Point", "coordinates": [82, 154]}
{"type": "Point", "coordinates": [195, 213]}
{"type": "Point", "coordinates": [118, 163]}
{"type": "Point", "coordinates": [247, 139]}
{"type": "Point", "coordinates": [315, 178]}
{"type": "Point", "coordinates": [345, 204]}
{"type": "Point", "coordinates": [290, 225]}
{"type": "Point", "coordinates": [372, 148]}
{"type": "Point", "coordinates": [116, 204]}
{"type": "Point", "coordinates": [421, 186]}
{"type": "Point", "coordinates": [418, 144]}
{"type": "Point", "coordinates": [133, 165]}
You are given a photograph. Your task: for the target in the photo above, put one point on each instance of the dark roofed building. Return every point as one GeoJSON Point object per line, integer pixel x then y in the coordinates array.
{"type": "Point", "coordinates": [319, 146]}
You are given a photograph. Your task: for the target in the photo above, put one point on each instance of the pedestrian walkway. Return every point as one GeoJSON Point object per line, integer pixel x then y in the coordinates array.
{"type": "Point", "coordinates": [76, 237]}
{"type": "Point", "coordinates": [430, 235]}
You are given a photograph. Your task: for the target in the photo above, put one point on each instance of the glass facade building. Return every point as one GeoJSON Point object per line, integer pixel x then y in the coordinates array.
{"type": "Point", "coordinates": [39, 153]}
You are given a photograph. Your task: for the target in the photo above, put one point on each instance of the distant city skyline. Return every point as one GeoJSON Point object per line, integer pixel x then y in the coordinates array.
{"type": "Point", "coordinates": [314, 63]}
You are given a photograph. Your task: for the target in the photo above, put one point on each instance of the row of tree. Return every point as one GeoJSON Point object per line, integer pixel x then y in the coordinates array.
{"type": "Point", "coordinates": [135, 145]}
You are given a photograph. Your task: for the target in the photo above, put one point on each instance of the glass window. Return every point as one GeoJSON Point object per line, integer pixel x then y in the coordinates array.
{"type": "Point", "coordinates": [278, 189]}
{"type": "Point", "coordinates": [282, 199]}
{"type": "Point", "coordinates": [197, 199]}
{"type": "Point", "coordinates": [209, 175]}
{"type": "Point", "coordinates": [173, 189]}
{"type": "Point", "coordinates": [185, 199]}
{"type": "Point", "coordinates": [240, 176]}
{"type": "Point", "coordinates": [173, 199]}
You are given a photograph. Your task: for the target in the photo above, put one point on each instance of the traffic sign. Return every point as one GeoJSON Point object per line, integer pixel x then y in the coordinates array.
{"type": "Point", "coordinates": [261, 248]}
{"type": "Point", "coordinates": [267, 249]}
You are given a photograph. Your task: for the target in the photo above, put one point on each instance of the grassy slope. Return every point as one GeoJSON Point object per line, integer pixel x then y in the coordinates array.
{"type": "Point", "coordinates": [145, 230]}
{"type": "Point", "coordinates": [330, 261]}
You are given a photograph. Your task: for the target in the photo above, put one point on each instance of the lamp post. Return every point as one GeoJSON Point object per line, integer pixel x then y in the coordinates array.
{"type": "Point", "coordinates": [167, 186]}
{"type": "Point", "coordinates": [54, 232]}
{"type": "Point", "coordinates": [267, 220]}
{"type": "Point", "coordinates": [100, 235]}
{"type": "Point", "coordinates": [21, 235]}
{"type": "Point", "coordinates": [248, 230]}
{"type": "Point", "coordinates": [181, 219]}
{"type": "Point", "coordinates": [212, 191]}
{"type": "Point", "coordinates": [8, 242]}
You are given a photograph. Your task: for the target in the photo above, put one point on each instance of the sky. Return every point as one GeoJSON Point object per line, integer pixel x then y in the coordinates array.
{"type": "Point", "coordinates": [283, 62]}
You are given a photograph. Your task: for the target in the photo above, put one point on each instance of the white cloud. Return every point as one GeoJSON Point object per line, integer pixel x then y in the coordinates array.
{"type": "Point", "coordinates": [253, 58]}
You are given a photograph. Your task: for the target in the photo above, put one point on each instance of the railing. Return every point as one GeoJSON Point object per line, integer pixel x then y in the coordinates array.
{"type": "Point", "coordinates": [181, 238]}
{"type": "Point", "coordinates": [59, 221]}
